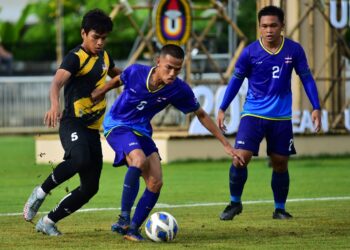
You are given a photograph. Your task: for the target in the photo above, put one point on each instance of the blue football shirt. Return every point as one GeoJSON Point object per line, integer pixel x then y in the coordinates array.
{"type": "Point", "coordinates": [137, 104]}
{"type": "Point", "coordinates": [269, 78]}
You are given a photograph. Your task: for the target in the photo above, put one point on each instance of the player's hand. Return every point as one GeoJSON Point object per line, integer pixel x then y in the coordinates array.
{"type": "Point", "coordinates": [220, 120]}
{"type": "Point", "coordinates": [98, 95]}
{"type": "Point", "coordinates": [316, 119]}
{"type": "Point", "coordinates": [235, 155]}
{"type": "Point", "coordinates": [52, 117]}
{"type": "Point", "coordinates": [239, 158]}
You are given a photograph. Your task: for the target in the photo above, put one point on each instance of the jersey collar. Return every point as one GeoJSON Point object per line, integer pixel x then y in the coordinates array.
{"type": "Point", "coordinates": [87, 53]}
{"type": "Point", "coordinates": [148, 82]}
{"type": "Point", "coordinates": [270, 52]}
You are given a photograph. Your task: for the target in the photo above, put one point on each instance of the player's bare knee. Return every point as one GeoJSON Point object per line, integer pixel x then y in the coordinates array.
{"type": "Point", "coordinates": [279, 163]}
{"type": "Point", "coordinates": [155, 185]}
{"type": "Point", "coordinates": [138, 161]}
{"type": "Point", "coordinates": [237, 163]}
{"type": "Point", "coordinates": [279, 166]}
{"type": "Point", "coordinates": [280, 169]}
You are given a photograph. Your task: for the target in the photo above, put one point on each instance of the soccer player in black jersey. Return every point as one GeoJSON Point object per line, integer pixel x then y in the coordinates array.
{"type": "Point", "coordinates": [83, 69]}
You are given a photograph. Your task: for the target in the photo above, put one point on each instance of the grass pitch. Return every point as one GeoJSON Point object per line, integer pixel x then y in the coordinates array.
{"type": "Point", "coordinates": [195, 193]}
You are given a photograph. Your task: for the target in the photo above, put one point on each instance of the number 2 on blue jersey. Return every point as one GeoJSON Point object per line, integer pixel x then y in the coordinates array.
{"type": "Point", "coordinates": [275, 72]}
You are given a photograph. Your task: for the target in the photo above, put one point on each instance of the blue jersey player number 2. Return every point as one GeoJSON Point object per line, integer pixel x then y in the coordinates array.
{"type": "Point", "coordinates": [267, 64]}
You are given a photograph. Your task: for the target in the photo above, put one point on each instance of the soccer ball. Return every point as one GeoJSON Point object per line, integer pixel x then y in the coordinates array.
{"type": "Point", "coordinates": [161, 226]}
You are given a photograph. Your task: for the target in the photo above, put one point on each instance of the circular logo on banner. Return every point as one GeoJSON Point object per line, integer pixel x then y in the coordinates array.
{"type": "Point", "coordinates": [173, 21]}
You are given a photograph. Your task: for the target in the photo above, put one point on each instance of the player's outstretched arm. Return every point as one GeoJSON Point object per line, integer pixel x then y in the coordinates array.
{"type": "Point", "coordinates": [115, 71]}
{"type": "Point", "coordinates": [53, 115]}
{"type": "Point", "coordinates": [207, 122]}
{"type": "Point", "coordinates": [98, 94]}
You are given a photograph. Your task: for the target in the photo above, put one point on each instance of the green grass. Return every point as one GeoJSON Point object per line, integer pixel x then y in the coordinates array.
{"type": "Point", "coordinates": [316, 224]}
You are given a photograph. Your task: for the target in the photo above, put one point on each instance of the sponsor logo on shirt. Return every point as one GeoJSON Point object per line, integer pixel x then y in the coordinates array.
{"type": "Point", "coordinates": [241, 142]}
{"type": "Point", "coordinates": [133, 143]}
{"type": "Point", "coordinates": [132, 90]}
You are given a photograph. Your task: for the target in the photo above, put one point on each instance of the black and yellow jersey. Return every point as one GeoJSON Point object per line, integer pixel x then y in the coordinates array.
{"type": "Point", "coordinates": [87, 73]}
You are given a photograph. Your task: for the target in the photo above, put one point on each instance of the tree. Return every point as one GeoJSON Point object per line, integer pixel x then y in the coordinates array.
{"type": "Point", "coordinates": [40, 37]}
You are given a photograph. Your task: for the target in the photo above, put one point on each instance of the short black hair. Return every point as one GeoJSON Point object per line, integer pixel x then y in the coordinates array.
{"type": "Point", "coordinates": [173, 50]}
{"type": "Point", "coordinates": [271, 11]}
{"type": "Point", "coordinates": [97, 20]}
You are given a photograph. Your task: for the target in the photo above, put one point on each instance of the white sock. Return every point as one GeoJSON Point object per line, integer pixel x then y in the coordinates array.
{"type": "Point", "coordinates": [48, 220]}
{"type": "Point", "coordinates": [40, 193]}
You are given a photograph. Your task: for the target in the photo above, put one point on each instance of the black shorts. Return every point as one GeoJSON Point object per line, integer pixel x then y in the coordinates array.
{"type": "Point", "coordinates": [74, 134]}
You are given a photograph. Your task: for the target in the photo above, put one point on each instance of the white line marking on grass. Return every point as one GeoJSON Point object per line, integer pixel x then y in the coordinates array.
{"type": "Point", "coordinates": [162, 205]}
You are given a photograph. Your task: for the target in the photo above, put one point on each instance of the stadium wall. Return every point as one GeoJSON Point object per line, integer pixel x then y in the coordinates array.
{"type": "Point", "coordinates": [179, 146]}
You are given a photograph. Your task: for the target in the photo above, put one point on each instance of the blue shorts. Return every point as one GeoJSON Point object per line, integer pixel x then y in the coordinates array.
{"type": "Point", "coordinates": [123, 140]}
{"type": "Point", "coordinates": [278, 134]}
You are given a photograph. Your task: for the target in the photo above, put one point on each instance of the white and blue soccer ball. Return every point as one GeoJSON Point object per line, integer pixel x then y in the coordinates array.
{"type": "Point", "coordinates": [161, 226]}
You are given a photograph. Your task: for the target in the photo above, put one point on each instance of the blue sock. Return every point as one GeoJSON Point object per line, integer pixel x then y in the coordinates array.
{"type": "Point", "coordinates": [143, 208]}
{"type": "Point", "coordinates": [130, 190]}
{"type": "Point", "coordinates": [280, 188]}
{"type": "Point", "coordinates": [238, 177]}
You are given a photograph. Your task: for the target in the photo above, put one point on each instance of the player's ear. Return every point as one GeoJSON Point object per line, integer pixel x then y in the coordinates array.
{"type": "Point", "coordinates": [283, 26]}
{"type": "Point", "coordinates": [82, 33]}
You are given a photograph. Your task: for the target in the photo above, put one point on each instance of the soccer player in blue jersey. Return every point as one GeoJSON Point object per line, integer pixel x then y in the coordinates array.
{"type": "Point", "coordinates": [83, 69]}
{"type": "Point", "coordinates": [127, 127]}
{"type": "Point", "coordinates": [268, 64]}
